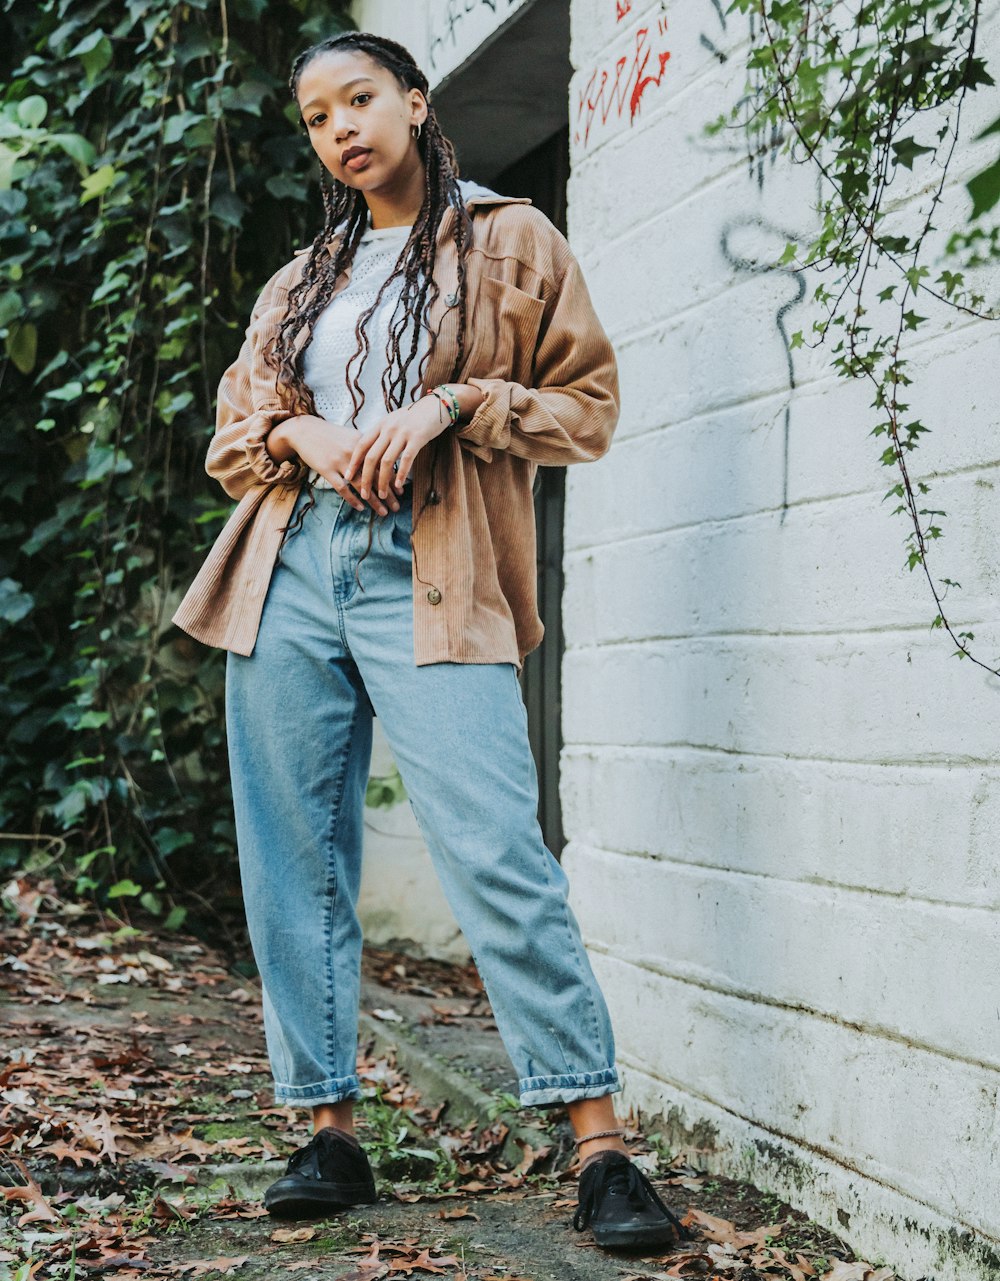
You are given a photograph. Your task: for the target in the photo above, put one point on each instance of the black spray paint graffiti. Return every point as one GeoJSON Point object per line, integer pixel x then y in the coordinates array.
{"type": "Point", "coordinates": [444, 32]}
{"type": "Point", "coordinates": [771, 241]}
{"type": "Point", "coordinates": [768, 241]}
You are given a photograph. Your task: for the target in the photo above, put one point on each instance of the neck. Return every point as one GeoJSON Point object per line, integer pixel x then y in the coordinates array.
{"type": "Point", "coordinates": [398, 203]}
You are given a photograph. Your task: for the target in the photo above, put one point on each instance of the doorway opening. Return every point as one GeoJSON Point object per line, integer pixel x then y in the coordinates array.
{"type": "Point", "coordinates": [507, 112]}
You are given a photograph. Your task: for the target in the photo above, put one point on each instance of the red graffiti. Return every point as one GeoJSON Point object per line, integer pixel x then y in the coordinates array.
{"type": "Point", "coordinates": [606, 93]}
{"type": "Point", "coordinates": [622, 7]}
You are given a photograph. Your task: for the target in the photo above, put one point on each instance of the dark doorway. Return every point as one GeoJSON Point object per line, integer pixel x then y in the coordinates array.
{"type": "Point", "coordinates": [542, 175]}
{"type": "Point", "coordinates": [507, 112]}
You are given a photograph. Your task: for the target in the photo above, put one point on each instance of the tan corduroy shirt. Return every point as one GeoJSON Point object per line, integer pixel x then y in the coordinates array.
{"type": "Point", "coordinates": [539, 353]}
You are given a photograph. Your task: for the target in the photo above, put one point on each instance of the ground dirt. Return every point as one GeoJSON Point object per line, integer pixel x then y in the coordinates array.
{"type": "Point", "coordinates": [138, 1132]}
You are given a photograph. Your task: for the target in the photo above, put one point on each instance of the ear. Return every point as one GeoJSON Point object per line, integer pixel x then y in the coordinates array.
{"type": "Point", "coordinates": [418, 107]}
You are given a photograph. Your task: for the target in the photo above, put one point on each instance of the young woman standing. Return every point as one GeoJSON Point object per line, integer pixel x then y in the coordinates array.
{"type": "Point", "coordinates": [399, 384]}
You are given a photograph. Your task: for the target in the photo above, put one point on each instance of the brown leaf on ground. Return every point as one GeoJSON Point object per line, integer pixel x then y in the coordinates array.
{"type": "Point", "coordinates": [99, 1133]}
{"type": "Point", "coordinates": [531, 1157]}
{"type": "Point", "coordinates": [369, 1268]}
{"type": "Point", "coordinates": [459, 1212]}
{"type": "Point", "coordinates": [198, 1267]}
{"type": "Point", "coordinates": [32, 1193]}
{"type": "Point", "coordinates": [697, 1262]}
{"type": "Point", "coordinates": [227, 1209]}
{"type": "Point", "coordinates": [288, 1236]}
{"type": "Point", "coordinates": [725, 1233]}
{"type": "Point", "coordinates": [63, 1152]}
{"type": "Point", "coordinates": [425, 1263]}
{"type": "Point", "coordinates": [857, 1271]}
{"type": "Point", "coordinates": [170, 1211]}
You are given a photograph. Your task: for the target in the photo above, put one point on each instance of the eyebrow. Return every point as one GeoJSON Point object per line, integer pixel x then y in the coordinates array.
{"type": "Point", "coordinates": [356, 81]}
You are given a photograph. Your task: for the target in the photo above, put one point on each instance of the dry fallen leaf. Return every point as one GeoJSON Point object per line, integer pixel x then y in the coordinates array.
{"type": "Point", "coordinates": [425, 1263]}
{"type": "Point", "coordinates": [369, 1268]}
{"type": "Point", "coordinates": [856, 1271]}
{"type": "Point", "coordinates": [724, 1231]}
{"type": "Point", "coordinates": [289, 1235]}
{"type": "Point", "coordinates": [198, 1267]}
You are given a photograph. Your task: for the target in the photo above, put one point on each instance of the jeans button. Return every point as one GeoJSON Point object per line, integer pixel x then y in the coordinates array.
{"type": "Point", "coordinates": [434, 596]}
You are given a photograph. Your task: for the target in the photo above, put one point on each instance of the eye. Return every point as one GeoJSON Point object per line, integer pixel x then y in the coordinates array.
{"type": "Point", "coordinates": [316, 120]}
{"type": "Point", "coordinates": [362, 94]}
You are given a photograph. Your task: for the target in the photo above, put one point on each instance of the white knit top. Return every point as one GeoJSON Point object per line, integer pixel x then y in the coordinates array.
{"type": "Point", "coordinates": [333, 341]}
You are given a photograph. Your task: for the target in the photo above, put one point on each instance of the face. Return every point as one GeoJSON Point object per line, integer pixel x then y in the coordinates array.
{"type": "Point", "coordinates": [359, 119]}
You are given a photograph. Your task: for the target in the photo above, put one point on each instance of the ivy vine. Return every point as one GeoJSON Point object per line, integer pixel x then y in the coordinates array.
{"type": "Point", "coordinates": [152, 175]}
{"type": "Point", "coordinates": [863, 91]}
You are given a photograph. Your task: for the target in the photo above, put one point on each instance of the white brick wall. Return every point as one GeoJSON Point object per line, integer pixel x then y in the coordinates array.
{"type": "Point", "coordinates": [782, 794]}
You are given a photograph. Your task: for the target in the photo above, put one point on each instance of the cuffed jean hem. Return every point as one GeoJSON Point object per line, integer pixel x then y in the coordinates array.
{"type": "Point", "coordinates": [332, 1091]}
{"type": "Point", "coordinates": [535, 1091]}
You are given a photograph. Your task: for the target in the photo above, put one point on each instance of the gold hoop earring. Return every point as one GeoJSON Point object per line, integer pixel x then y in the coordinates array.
{"type": "Point", "coordinates": [416, 130]}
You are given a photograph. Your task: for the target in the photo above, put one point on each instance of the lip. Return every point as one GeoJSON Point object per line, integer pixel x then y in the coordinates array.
{"type": "Point", "coordinates": [355, 157]}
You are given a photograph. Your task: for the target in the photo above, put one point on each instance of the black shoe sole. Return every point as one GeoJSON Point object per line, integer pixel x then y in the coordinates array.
{"type": "Point", "coordinates": [313, 1200]}
{"type": "Point", "coordinates": [653, 1237]}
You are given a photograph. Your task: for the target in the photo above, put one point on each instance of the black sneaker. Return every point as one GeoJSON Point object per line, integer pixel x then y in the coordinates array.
{"type": "Point", "coordinates": [330, 1172]}
{"type": "Point", "coordinates": [620, 1206]}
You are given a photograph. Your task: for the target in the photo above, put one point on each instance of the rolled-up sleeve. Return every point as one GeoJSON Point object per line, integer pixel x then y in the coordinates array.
{"type": "Point", "coordinates": [249, 406]}
{"type": "Point", "coordinates": [570, 412]}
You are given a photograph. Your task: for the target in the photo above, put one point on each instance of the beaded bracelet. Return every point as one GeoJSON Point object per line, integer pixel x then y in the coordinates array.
{"type": "Point", "coordinates": [450, 402]}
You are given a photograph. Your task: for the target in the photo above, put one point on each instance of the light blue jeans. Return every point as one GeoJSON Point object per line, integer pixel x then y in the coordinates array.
{"type": "Point", "coordinates": [331, 651]}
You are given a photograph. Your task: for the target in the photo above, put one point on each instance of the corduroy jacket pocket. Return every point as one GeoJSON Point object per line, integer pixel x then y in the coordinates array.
{"type": "Point", "coordinates": [506, 332]}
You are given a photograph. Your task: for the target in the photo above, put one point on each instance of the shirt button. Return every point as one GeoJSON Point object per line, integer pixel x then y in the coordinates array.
{"type": "Point", "coordinates": [434, 596]}
{"type": "Point", "coordinates": [450, 300]}
{"type": "Point", "coordinates": [434, 498]}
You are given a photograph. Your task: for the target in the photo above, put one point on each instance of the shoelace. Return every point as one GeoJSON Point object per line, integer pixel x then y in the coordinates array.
{"type": "Point", "coordinates": [302, 1155]}
{"type": "Point", "coordinates": [622, 1176]}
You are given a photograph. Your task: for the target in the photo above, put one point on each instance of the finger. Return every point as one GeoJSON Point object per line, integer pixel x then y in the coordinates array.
{"type": "Point", "coordinates": [346, 492]}
{"type": "Point", "coordinates": [365, 483]}
{"type": "Point", "coordinates": [386, 469]}
{"type": "Point", "coordinates": [375, 503]}
{"type": "Point", "coordinates": [365, 441]}
{"type": "Point", "coordinates": [405, 464]}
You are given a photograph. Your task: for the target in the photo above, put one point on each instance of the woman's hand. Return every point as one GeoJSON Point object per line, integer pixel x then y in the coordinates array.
{"type": "Point", "coordinates": [327, 448]}
{"type": "Point", "coordinates": [396, 440]}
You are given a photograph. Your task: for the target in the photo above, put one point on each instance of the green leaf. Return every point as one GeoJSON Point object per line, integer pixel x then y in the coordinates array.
{"type": "Point", "coordinates": [22, 346]}
{"type": "Point", "coordinates": [95, 52]}
{"type": "Point", "coordinates": [984, 189]}
{"type": "Point", "coordinates": [151, 902]}
{"type": "Point", "coordinates": [177, 125]}
{"type": "Point", "coordinates": [228, 208]}
{"type": "Point", "coordinates": [69, 391]}
{"type": "Point", "coordinates": [31, 111]}
{"type": "Point", "coordinates": [286, 186]}
{"type": "Point", "coordinates": [76, 147]}
{"type": "Point", "coordinates": [93, 720]}
{"type": "Point", "coordinates": [15, 603]}
{"type": "Point", "coordinates": [907, 150]}
{"type": "Point", "coordinates": [11, 307]}
{"type": "Point", "coordinates": [124, 889]}
{"type": "Point", "coordinates": [97, 183]}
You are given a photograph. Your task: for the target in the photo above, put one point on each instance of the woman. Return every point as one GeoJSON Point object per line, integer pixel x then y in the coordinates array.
{"type": "Point", "coordinates": [400, 382]}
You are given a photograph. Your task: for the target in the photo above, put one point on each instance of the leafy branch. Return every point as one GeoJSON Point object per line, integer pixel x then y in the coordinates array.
{"type": "Point", "coordinates": [145, 194]}
{"type": "Point", "coordinates": [855, 89]}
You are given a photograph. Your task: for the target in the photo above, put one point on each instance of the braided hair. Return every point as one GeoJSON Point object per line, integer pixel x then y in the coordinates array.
{"type": "Point", "coordinates": [346, 211]}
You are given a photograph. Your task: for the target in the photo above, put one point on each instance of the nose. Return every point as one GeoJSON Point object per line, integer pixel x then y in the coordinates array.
{"type": "Point", "coordinates": [343, 127]}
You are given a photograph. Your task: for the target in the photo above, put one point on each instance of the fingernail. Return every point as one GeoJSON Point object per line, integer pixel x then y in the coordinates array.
{"type": "Point", "coordinates": [363, 492]}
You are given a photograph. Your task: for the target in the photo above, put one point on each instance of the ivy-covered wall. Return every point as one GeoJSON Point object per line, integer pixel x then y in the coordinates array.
{"type": "Point", "coordinates": [152, 176]}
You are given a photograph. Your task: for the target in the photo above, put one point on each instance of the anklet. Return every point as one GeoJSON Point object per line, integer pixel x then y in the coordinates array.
{"type": "Point", "coordinates": [599, 1135]}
